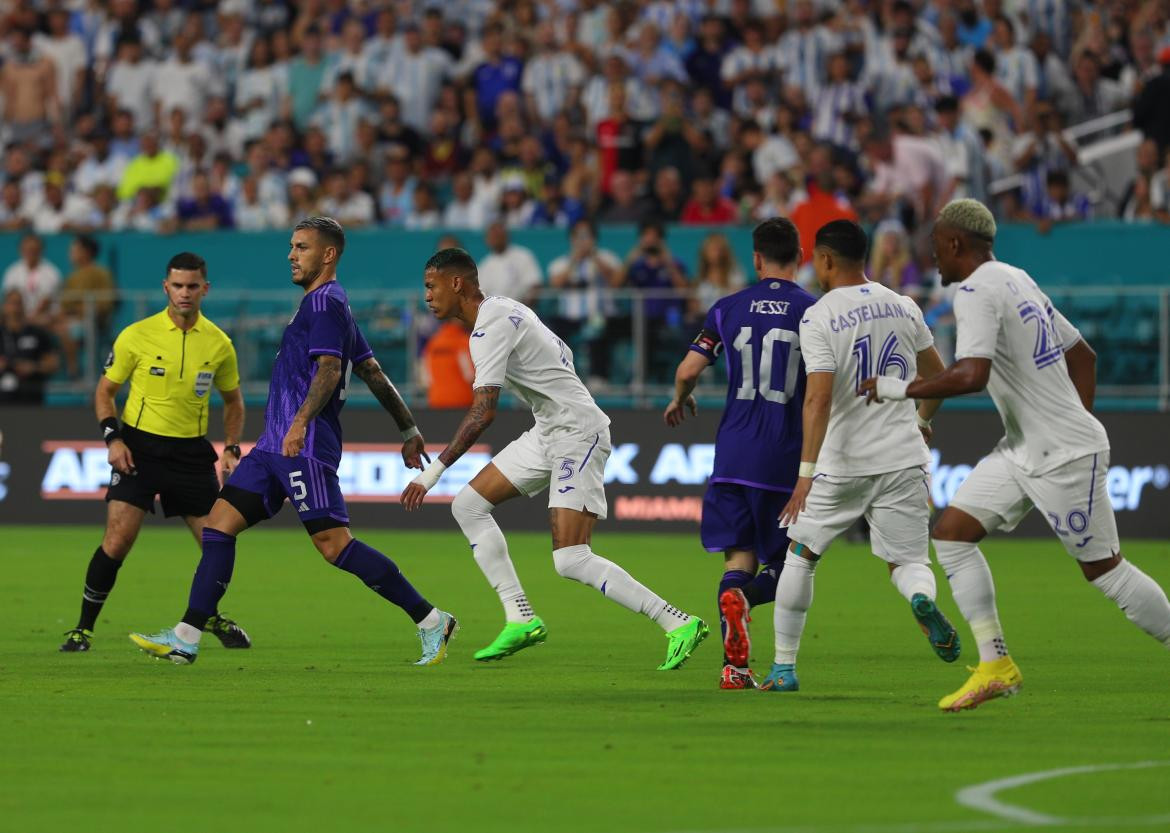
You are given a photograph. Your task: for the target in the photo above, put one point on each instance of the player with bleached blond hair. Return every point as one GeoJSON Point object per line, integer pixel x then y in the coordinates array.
{"type": "Point", "coordinates": [1054, 455]}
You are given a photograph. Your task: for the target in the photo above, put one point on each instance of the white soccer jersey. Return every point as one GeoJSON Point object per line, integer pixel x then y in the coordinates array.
{"type": "Point", "coordinates": [856, 332]}
{"type": "Point", "coordinates": [1000, 314]}
{"type": "Point", "coordinates": [511, 347]}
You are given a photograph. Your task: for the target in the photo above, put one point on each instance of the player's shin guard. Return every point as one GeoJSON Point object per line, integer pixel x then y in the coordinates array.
{"type": "Point", "coordinates": [382, 575]}
{"type": "Point", "coordinates": [1143, 601]}
{"type": "Point", "coordinates": [474, 515]}
{"type": "Point", "coordinates": [912, 579]}
{"type": "Point", "coordinates": [794, 595]}
{"type": "Point", "coordinates": [581, 564]}
{"type": "Point", "coordinates": [974, 592]}
{"type": "Point", "coordinates": [99, 581]}
{"type": "Point", "coordinates": [212, 577]}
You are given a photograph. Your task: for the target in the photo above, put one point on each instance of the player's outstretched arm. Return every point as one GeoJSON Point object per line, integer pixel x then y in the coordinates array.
{"type": "Point", "coordinates": [968, 375]}
{"type": "Point", "coordinates": [479, 416]}
{"type": "Point", "coordinates": [818, 405]}
{"type": "Point", "coordinates": [930, 364]}
{"type": "Point", "coordinates": [391, 400]}
{"type": "Point", "coordinates": [685, 379]}
{"type": "Point", "coordinates": [320, 391]}
{"type": "Point", "coordinates": [106, 411]}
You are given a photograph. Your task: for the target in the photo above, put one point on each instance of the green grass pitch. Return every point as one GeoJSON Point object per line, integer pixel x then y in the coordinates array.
{"type": "Point", "coordinates": [326, 726]}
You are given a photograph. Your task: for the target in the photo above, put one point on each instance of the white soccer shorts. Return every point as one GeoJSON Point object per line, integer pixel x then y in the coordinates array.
{"type": "Point", "coordinates": [572, 469]}
{"type": "Point", "coordinates": [896, 505]}
{"type": "Point", "coordinates": [1073, 498]}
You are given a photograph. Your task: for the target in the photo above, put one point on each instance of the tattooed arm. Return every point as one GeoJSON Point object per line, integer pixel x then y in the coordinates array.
{"type": "Point", "coordinates": [388, 397]}
{"type": "Point", "coordinates": [320, 391]}
{"type": "Point", "coordinates": [478, 417]}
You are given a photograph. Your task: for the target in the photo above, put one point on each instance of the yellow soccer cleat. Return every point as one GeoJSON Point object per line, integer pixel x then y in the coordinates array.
{"type": "Point", "coordinates": [999, 678]}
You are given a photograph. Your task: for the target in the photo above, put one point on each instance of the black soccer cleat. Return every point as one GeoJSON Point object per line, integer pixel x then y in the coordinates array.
{"type": "Point", "coordinates": [76, 641]}
{"type": "Point", "coordinates": [229, 634]}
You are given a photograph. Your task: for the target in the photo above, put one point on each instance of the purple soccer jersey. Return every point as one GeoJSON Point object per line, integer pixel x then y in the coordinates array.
{"type": "Point", "coordinates": [757, 331]}
{"type": "Point", "coordinates": [323, 325]}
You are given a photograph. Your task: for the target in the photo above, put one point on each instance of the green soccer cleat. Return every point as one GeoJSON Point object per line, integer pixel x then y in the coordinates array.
{"type": "Point", "coordinates": [944, 639]}
{"type": "Point", "coordinates": [76, 641]}
{"type": "Point", "coordinates": [227, 631]}
{"type": "Point", "coordinates": [683, 642]}
{"type": "Point", "coordinates": [516, 636]}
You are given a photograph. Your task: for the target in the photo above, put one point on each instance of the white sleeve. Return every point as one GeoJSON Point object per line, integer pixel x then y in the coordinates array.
{"type": "Point", "coordinates": [815, 347]}
{"type": "Point", "coordinates": [491, 344]}
{"type": "Point", "coordinates": [976, 322]}
{"type": "Point", "coordinates": [1069, 334]}
{"type": "Point", "coordinates": [923, 338]}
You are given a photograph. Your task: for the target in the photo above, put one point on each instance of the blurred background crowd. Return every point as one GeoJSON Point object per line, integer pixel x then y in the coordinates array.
{"type": "Point", "coordinates": [481, 117]}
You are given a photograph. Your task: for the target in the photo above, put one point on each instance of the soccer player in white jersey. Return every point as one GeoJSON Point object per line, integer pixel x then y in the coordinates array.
{"type": "Point", "coordinates": [855, 462]}
{"type": "Point", "coordinates": [568, 446]}
{"type": "Point", "coordinates": [1055, 455]}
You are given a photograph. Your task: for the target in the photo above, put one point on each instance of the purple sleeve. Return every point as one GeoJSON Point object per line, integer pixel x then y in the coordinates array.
{"type": "Point", "coordinates": [709, 342]}
{"type": "Point", "coordinates": [361, 347]}
{"type": "Point", "coordinates": [328, 326]}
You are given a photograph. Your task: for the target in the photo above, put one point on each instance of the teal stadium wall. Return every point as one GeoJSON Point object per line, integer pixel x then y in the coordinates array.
{"type": "Point", "coordinates": [1101, 253]}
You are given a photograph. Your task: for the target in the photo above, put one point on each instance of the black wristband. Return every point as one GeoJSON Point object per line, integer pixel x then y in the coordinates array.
{"type": "Point", "coordinates": [110, 430]}
{"type": "Point", "coordinates": [234, 449]}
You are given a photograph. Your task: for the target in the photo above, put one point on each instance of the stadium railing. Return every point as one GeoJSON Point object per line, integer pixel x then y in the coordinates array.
{"type": "Point", "coordinates": [644, 337]}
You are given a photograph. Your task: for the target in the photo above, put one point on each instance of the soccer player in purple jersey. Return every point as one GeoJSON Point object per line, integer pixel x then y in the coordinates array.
{"type": "Point", "coordinates": [298, 454]}
{"type": "Point", "coordinates": [757, 447]}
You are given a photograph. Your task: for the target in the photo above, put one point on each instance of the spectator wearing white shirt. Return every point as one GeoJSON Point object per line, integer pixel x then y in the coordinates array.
{"type": "Point", "coordinates": [228, 56]}
{"type": "Point", "coordinates": [384, 45]}
{"type": "Point", "coordinates": [1015, 67]}
{"type": "Point", "coordinates": [550, 76]}
{"type": "Point", "coordinates": [182, 82]}
{"type": "Point", "coordinates": [962, 152]}
{"type": "Point", "coordinates": [508, 269]}
{"type": "Point", "coordinates": [351, 207]}
{"type": "Point", "coordinates": [754, 59]}
{"type": "Point", "coordinates": [415, 75]}
{"type": "Point", "coordinates": [53, 214]}
{"type": "Point", "coordinates": [770, 154]}
{"type": "Point", "coordinates": [260, 91]}
{"type": "Point", "coordinates": [37, 281]}
{"type": "Point", "coordinates": [949, 57]}
{"type": "Point", "coordinates": [838, 105]}
{"type": "Point", "coordinates": [424, 214]}
{"type": "Point", "coordinates": [123, 22]}
{"type": "Point", "coordinates": [253, 213]}
{"type": "Point", "coordinates": [67, 52]}
{"type": "Point", "coordinates": [130, 83]}
{"type": "Point", "coordinates": [99, 167]}
{"type": "Point", "coordinates": [908, 174]}
{"type": "Point", "coordinates": [641, 104]}
{"type": "Point", "coordinates": [464, 211]}
{"type": "Point", "coordinates": [338, 118]}
{"type": "Point", "coordinates": [396, 197]}
{"type": "Point", "coordinates": [889, 71]}
{"type": "Point", "coordinates": [805, 49]}
{"type": "Point", "coordinates": [352, 58]}
{"type": "Point", "coordinates": [651, 62]}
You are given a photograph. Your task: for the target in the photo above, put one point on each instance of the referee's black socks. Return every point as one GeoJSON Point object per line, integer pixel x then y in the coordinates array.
{"type": "Point", "coordinates": [99, 581]}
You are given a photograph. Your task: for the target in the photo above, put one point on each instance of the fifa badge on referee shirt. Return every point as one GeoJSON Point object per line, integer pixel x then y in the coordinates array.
{"type": "Point", "coordinates": [203, 382]}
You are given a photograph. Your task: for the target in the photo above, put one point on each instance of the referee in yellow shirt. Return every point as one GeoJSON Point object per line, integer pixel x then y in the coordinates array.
{"type": "Point", "coordinates": [172, 360]}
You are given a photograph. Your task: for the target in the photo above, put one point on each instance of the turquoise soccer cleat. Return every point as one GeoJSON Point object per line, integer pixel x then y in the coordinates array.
{"type": "Point", "coordinates": [781, 678]}
{"type": "Point", "coordinates": [165, 645]}
{"type": "Point", "coordinates": [434, 640]}
{"type": "Point", "coordinates": [944, 639]}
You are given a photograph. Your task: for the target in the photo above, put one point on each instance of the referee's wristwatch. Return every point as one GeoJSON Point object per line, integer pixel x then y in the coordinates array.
{"type": "Point", "coordinates": [234, 449]}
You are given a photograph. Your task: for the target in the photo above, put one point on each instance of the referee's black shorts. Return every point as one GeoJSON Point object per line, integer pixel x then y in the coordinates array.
{"type": "Point", "coordinates": [179, 470]}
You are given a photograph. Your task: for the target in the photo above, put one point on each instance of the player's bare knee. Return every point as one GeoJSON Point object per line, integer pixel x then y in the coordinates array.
{"type": "Point", "coordinates": [1093, 570]}
{"type": "Point", "coordinates": [117, 545]}
{"type": "Point", "coordinates": [743, 560]}
{"type": "Point", "coordinates": [331, 542]}
{"type": "Point", "coordinates": [956, 525]}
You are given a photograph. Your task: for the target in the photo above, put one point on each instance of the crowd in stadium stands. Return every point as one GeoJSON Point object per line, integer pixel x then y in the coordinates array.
{"type": "Point", "coordinates": [493, 115]}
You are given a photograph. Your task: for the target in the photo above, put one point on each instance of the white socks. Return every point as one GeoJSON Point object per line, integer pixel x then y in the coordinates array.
{"type": "Point", "coordinates": [431, 620]}
{"type": "Point", "coordinates": [474, 516]}
{"type": "Point", "coordinates": [974, 591]}
{"type": "Point", "coordinates": [794, 594]}
{"type": "Point", "coordinates": [188, 633]}
{"type": "Point", "coordinates": [912, 579]}
{"type": "Point", "coordinates": [1143, 601]}
{"type": "Point", "coordinates": [581, 564]}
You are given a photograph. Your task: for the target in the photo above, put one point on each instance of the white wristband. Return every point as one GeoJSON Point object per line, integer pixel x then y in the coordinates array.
{"type": "Point", "coordinates": [412, 431]}
{"type": "Point", "coordinates": [807, 470]}
{"type": "Point", "coordinates": [430, 476]}
{"type": "Point", "coordinates": [923, 423]}
{"type": "Point", "coordinates": [889, 388]}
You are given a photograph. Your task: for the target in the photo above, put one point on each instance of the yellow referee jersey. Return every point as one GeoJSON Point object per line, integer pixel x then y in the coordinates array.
{"type": "Point", "coordinates": [171, 373]}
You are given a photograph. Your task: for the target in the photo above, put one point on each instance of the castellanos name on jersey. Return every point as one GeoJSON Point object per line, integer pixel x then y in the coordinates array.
{"type": "Point", "coordinates": [511, 347]}
{"type": "Point", "coordinates": [758, 442]}
{"type": "Point", "coordinates": [856, 332]}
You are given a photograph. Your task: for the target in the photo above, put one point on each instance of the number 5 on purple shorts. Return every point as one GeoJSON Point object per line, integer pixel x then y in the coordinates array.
{"type": "Point", "coordinates": [312, 489]}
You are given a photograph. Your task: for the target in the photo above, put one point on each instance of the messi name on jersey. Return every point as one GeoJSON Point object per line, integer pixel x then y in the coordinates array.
{"type": "Point", "coordinates": [868, 312]}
